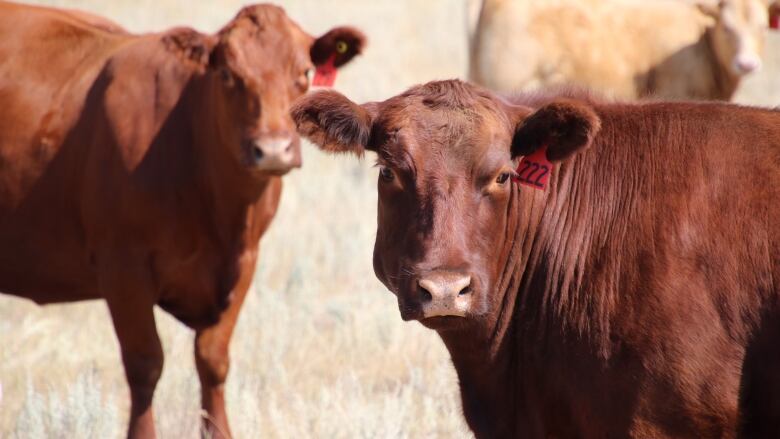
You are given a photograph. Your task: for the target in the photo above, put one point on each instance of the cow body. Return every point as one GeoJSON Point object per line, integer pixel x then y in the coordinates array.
{"type": "Point", "coordinates": [625, 48]}
{"type": "Point", "coordinates": [635, 296]}
{"type": "Point", "coordinates": [143, 170]}
{"type": "Point", "coordinates": [649, 280]}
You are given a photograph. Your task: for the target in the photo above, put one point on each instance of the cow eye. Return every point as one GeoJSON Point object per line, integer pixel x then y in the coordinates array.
{"type": "Point", "coordinates": [503, 177]}
{"type": "Point", "coordinates": [386, 174]}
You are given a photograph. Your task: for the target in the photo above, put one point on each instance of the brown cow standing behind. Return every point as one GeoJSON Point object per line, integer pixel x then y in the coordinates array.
{"type": "Point", "coordinates": [143, 169]}
{"type": "Point", "coordinates": [636, 296]}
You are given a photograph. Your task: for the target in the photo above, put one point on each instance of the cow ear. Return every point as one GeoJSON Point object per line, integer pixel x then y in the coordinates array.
{"type": "Point", "coordinates": [341, 43]}
{"type": "Point", "coordinates": [710, 8]}
{"type": "Point", "coordinates": [564, 127]}
{"type": "Point", "coordinates": [190, 46]}
{"type": "Point", "coordinates": [333, 122]}
{"type": "Point", "coordinates": [144, 81]}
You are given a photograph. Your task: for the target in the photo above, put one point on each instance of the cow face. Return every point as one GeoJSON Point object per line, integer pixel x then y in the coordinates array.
{"type": "Point", "coordinates": [446, 152]}
{"type": "Point", "coordinates": [738, 34]}
{"type": "Point", "coordinates": [262, 62]}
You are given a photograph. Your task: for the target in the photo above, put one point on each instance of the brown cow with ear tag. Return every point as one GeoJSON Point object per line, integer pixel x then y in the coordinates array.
{"type": "Point", "coordinates": [144, 169]}
{"type": "Point", "coordinates": [635, 294]}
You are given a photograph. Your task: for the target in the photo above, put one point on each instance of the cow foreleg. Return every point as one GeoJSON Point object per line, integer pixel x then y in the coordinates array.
{"type": "Point", "coordinates": [131, 304]}
{"type": "Point", "coordinates": [212, 354]}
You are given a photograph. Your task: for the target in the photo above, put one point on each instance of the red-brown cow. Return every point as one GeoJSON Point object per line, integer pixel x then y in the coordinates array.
{"type": "Point", "coordinates": [636, 295]}
{"type": "Point", "coordinates": [143, 169]}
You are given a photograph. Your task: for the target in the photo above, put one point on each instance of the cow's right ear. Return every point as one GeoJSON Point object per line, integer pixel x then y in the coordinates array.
{"type": "Point", "coordinates": [564, 127]}
{"type": "Point", "coordinates": [190, 46]}
{"type": "Point", "coordinates": [333, 122]}
{"type": "Point", "coordinates": [712, 9]}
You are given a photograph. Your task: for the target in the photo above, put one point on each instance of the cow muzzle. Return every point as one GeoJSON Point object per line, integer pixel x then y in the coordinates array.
{"type": "Point", "coordinates": [444, 294]}
{"type": "Point", "coordinates": [276, 154]}
{"type": "Point", "coordinates": [746, 63]}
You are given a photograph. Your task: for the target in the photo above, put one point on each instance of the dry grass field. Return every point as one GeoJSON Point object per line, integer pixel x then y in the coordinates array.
{"type": "Point", "coordinates": [320, 350]}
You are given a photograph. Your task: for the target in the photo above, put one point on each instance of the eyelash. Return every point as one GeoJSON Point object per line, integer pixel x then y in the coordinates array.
{"type": "Point", "coordinates": [503, 177]}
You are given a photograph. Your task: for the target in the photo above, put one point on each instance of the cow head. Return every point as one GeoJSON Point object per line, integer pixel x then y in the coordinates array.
{"type": "Point", "coordinates": [261, 62]}
{"type": "Point", "coordinates": [446, 152]}
{"type": "Point", "coordinates": [738, 34]}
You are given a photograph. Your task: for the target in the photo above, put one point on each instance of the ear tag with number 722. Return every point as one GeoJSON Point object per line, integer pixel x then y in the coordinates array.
{"type": "Point", "coordinates": [534, 170]}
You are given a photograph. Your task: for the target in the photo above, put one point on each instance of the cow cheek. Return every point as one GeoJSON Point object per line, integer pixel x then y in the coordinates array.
{"type": "Point", "coordinates": [726, 44]}
{"type": "Point", "coordinates": [379, 267]}
{"type": "Point", "coordinates": [386, 257]}
{"type": "Point", "coordinates": [492, 245]}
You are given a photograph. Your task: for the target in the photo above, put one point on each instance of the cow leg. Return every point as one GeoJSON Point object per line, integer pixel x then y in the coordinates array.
{"type": "Point", "coordinates": [131, 304]}
{"type": "Point", "coordinates": [212, 354]}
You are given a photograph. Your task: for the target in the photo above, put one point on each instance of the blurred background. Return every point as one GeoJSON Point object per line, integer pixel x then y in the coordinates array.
{"type": "Point", "coordinates": [320, 349]}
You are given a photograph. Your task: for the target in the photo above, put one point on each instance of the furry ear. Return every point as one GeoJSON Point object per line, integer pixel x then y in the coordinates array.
{"type": "Point", "coordinates": [190, 45]}
{"type": "Point", "coordinates": [564, 126]}
{"type": "Point", "coordinates": [333, 122]}
{"type": "Point", "coordinates": [144, 81]}
{"type": "Point", "coordinates": [341, 43]}
{"type": "Point", "coordinates": [710, 8]}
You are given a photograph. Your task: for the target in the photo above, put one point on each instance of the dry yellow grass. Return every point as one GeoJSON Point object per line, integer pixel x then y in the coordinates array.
{"type": "Point", "coordinates": [320, 350]}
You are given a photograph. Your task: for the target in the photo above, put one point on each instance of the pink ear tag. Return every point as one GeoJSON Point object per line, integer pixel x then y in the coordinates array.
{"type": "Point", "coordinates": [325, 74]}
{"type": "Point", "coordinates": [534, 170]}
{"type": "Point", "coordinates": [774, 20]}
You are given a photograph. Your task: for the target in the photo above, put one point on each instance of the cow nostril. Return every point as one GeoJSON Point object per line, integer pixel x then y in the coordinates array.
{"type": "Point", "coordinates": [464, 291]}
{"type": "Point", "coordinates": [288, 147]}
{"type": "Point", "coordinates": [425, 295]}
{"type": "Point", "coordinates": [257, 153]}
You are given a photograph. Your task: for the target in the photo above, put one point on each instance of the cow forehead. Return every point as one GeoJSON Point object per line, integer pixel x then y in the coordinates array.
{"type": "Point", "coordinates": [265, 39]}
{"type": "Point", "coordinates": [441, 139]}
{"type": "Point", "coordinates": [747, 12]}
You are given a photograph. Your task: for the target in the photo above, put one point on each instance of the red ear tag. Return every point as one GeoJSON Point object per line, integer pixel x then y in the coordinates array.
{"type": "Point", "coordinates": [325, 75]}
{"type": "Point", "coordinates": [534, 169]}
{"type": "Point", "coordinates": [774, 21]}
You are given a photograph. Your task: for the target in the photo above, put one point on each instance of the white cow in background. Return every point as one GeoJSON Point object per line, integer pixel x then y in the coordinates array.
{"type": "Point", "coordinates": [625, 48]}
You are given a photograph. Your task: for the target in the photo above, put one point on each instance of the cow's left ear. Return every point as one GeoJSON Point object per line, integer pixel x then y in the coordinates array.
{"type": "Point", "coordinates": [144, 81]}
{"type": "Point", "coordinates": [340, 44]}
{"type": "Point", "coordinates": [190, 46]}
{"type": "Point", "coordinates": [710, 8]}
{"type": "Point", "coordinates": [564, 127]}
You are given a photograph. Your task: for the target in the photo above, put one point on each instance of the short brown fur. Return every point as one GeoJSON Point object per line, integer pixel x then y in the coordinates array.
{"type": "Point", "coordinates": [637, 296]}
{"type": "Point", "coordinates": [127, 173]}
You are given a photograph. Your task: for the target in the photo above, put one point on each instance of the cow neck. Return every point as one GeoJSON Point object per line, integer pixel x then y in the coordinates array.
{"type": "Point", "coordinates": [725, 82]}
{"type": "Point", "coordinates": [227, 188]}
{"type": "Point", "coordinates": [537, 248]}
{"type": "Point", "coordinates": [580, 215]}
